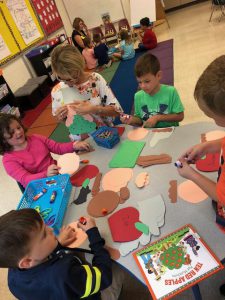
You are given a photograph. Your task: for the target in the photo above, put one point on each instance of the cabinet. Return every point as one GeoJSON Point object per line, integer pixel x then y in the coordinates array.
{"type": "Point", "coordinates": [6, 95]}
{"type": "Point", "coordinates": [40, 59]}
{"type": "Point", "coordinates": [175, 3]}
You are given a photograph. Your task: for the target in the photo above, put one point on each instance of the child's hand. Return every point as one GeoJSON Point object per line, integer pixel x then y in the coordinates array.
{"type": "Point", "coordinates": [194, 153]}
{"type": "Point", "coordinates": [61, 113]}
{"type": "Point", "coordinates": [151, 122]}
{"type": "Point", "coordinates": [90, 223]}
{"type": "Point", "coordinates": [186, 171]}
{"type": "Point", "coordinates": [126, 119]}
{"type": "Point", "coordinates": [67, 235]}
{"type": "Point", "coordinates": [83, 107]}
{"type": "Point", "coordinates": [81, 145]}
{"type": "Point", "coordinates": [52, 170]}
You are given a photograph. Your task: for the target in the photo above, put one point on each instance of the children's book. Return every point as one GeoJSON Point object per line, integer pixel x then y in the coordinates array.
{"type": "Point", "coordinates": [176, 262]}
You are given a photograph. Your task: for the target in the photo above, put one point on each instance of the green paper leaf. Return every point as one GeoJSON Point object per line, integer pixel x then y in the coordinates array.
{"type": "Point", "coordinates": [142, 227]}
{"type": "Point", "coordinates": [85, 183]}
{"type": "Point", "coordinates": [80, 125]}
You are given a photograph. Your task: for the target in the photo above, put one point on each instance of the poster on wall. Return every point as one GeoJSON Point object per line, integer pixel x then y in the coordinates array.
{"type": "Point", "coordinates": [4, 50]}
{"type": "Point", "coordinates": [23, 20]}
{"type": "Point", "coordinates": [176, 262]}
{"type": "Point", "coordinates": [48, 15]}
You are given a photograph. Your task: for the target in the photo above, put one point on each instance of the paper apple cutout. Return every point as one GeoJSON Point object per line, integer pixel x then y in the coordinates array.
{"type": "Point", "coordinates": [210, 163]}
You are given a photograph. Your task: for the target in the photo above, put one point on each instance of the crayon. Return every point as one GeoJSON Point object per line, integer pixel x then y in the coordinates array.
{"type": "Point", "coordinates": [53, 196]}
{"type": "Point", "coordinates": [36, 197]}
{"type": "Point", "coordinates": [84, 161]}
{"type": "Point", "coordinates": [49, 182]}
{"type": "Point", "coordinates": [83, 221]}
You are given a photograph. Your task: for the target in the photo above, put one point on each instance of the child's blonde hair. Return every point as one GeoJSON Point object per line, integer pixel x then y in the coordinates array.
{"type": "Point", "coordinates": [124, 35]}
{"type": "Point", "coordinates": [210, 87]}
{"type": "Point", "coordinates": [67, 60]}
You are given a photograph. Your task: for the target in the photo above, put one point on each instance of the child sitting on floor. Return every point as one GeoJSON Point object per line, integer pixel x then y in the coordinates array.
{"type": "Point", "coordinates": [26, 158]}
{"type": "Point", "coordinates": [88, 54]}
{"type": "Point", "coordinates": [126, 50]}
{"type": "Point", "coordinates": [101, 51]}
{"type": "Point", "coordinates": [155, 105]}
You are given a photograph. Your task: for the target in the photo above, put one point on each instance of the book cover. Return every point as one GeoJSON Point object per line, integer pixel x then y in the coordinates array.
{"type": "Point", "coordinates": [176, 262]}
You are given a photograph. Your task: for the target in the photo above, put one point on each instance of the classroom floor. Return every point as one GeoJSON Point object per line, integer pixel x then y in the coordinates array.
{"type": "Point", "coordinates": [196, 43]}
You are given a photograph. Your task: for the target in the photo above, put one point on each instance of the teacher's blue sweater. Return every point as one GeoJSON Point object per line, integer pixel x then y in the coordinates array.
{"type": "Point", "coordinates": [63, 276]}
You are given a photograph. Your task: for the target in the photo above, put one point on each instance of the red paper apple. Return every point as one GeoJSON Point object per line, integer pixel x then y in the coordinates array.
{"type": "Point", "coordinates": [210, 163]}
{"type": "Point", "coordinates": [122, 225]}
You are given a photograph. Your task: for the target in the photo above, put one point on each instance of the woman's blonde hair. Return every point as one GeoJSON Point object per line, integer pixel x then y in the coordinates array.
{"type": "Point", "coordinates": [124, 35]}
{"type": "Point", "coordinates": [67, 60]}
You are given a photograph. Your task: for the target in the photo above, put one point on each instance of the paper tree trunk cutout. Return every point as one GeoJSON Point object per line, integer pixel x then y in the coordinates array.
{"type": "Point", "coordinates": [81, 126]}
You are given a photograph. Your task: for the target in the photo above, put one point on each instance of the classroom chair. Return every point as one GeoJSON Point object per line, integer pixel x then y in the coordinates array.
{"type": "Point", "coordinates": [123, 24]}
{"type": "Point", "coordinates": [218, 4]}
{"type": "Point", "coordinates": [99, 31]}
{"type": "Point", "coordinates": [111, 35]}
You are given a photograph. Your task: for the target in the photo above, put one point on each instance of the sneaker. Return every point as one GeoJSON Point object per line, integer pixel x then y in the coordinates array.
{"type": "Point", "coordinates": [108, 64]}
{"type": "Point", "coordinates": [222, 289]}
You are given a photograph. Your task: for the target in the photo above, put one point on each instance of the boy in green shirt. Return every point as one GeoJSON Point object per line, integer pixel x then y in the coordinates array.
{"type": "Point", "coordinates": [155, 105]}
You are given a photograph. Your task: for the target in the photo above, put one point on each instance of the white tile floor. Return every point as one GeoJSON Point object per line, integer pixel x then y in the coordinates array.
{"type": "Point", "coordinates": [196, 43]}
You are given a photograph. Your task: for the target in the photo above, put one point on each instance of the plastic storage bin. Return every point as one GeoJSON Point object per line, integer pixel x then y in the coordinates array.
{"type": "Point", "coordinates": [52, 210]}
{"type": "Point", "coordinates": [106, 137]}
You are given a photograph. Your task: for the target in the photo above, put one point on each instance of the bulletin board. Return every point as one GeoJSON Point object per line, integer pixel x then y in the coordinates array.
{"type": "Point", "coordinates": [91, 10]}
{"type": "Point", "coordinates": [19, 28]}
{"type": "Point", "coordinates": [48, 14]}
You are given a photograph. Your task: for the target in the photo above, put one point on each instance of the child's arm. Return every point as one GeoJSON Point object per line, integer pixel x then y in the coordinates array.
{"type": "Point", "coordinates": [152, 121]}
{"type": "Point", "coordinates": [131, 120]}
{"type": "Point", "coordinates": [206, 184]}
{"type": "Point", "coordinates": [99, 275]}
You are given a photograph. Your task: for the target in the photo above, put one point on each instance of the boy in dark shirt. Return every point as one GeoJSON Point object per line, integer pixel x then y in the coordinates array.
{"type": "Point", "coordinates": [101, 51]}
{"type": "Point", "coordinates": [42, 268]}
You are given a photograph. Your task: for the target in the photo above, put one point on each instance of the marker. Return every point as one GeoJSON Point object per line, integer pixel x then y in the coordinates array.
{"type": "Point", "coordinates": [83, 221]}
{"type": "Point", "coordinates": [53, 196]}
{"type": "Point", "coordinates": [36, 197]}
{"type": "Point", "coordinates": [178, 164]}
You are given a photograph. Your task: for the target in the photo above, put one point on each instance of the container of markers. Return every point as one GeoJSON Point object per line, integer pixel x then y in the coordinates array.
{"type": "Point", "coordinates": [106, 137]}
{"type": "Point", "coordinates": [49, 197]}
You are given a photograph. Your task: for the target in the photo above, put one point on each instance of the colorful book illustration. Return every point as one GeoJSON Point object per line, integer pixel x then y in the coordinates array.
{"type": "Point", "coordinates": [176, 262]}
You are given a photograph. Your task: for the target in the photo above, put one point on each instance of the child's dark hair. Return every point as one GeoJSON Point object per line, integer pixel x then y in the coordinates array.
{"type": "Point", "coordinates": [147, 63]}
{"type": "Point", "coordinates": [16, 230]}
{"type": "Point", "coordinates": [210, 87]}
{"type": "Point", "coordinates": [87, 42]}
{"type": "Point", "coordinates": [97, 37]}
{"type": "Point", "coordinates": [145, 22]}
{"type": "Point", "coordinates": [5, 121]}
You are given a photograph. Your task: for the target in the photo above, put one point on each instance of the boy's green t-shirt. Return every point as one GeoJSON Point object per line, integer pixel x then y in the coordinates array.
{"type": "Point", "coordinates": [165, 101]}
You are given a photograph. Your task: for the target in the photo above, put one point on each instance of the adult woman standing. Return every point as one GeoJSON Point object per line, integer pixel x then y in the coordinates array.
{"type": "Point", "coordinates": [79, 33]}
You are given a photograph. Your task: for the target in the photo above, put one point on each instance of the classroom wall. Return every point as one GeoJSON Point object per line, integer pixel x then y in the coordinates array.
{"type": "Point", "coordinates": [16, 72]}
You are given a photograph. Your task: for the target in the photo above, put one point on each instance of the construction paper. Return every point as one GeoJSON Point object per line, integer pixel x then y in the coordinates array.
{"type": "Point", "coordinates": [114, 253]}
{"type": "Point", "coordinates": [68, 163]}
{"type": "Point", "coordinates": [169, 129]}
{"type": "Point", "coordinates": [210, 163]}
{"type": "Point", "coordinates": [124, 194]}
{"type": "Point", "coordinates": [96, 185]}
{"type": "Point", "coordinates": [122, 225]}
{"type": "Point", "coordinates": [142, 179]}
{"type": "Point", "coordinates": [70, 116]}
{"type": "Point", "coordinates": [150, 160]}
{"type": "Point", "coordinates": [214, 135]}
{"type": "Point", "coordinates": [137, 134]}
{"type": "Point", "coordinates": [190, 192]}
{"type": "Point", "coordinates": [126, 248]}
{"type": "Point", "coordinates": [173, 191]}
{"type": "Point", "coordinates": [115, 179]}
{"type": "Point", "coordinates": [81, 236]}
{"type": "Point", "coordinates": [103, 204]}
{"type": "Point", "coordinates": [121, 159]}
{"type": "Point", "coordinates": [89, 171]}
{"type": "Point", "coordinates": [159, 136]}
{"type": "Point", "coordinates": [86, 183]}
{"type": "Point", "coordinates": [120, 130]}
{"type": "Point", "coordinates": [80, 125]}
{"type": "Point", "coordinates": [142, 227]}
{"type": "Point", "coordinates": [82, 197]}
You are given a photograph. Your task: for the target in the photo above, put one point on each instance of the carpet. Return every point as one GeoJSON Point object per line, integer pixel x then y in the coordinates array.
{"type": "Point", "coordinates": [32, 114]}
{"type": "Point", "coordinates": [124, 83]}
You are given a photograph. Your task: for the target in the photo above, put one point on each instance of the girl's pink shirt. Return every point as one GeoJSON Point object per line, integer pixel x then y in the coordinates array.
{"type": "Point", "coordinates": [32, 162]}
